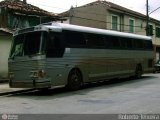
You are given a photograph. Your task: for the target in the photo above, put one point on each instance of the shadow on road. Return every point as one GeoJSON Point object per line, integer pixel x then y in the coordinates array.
{"type": "Point", "coordinates": [106, 84]}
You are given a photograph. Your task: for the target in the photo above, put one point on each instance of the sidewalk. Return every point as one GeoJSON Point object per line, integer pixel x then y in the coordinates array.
{"type": "Point", "coordinates": [5, 89]}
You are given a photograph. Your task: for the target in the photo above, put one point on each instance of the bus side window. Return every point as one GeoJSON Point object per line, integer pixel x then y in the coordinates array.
{"type": "Point", "coordinates": [126, 43]}
{"type": "Point", "coordinates": [74, 39]}
{"type": "Point", "coordinates": [107, 41]}
{"type": "Point", "coordinates": [95, 41]}
{"type": "Point", "coordinates": [129, 43]}
{"type": "Point", "coordinates": [138, 43]}
{"type": "Point", "coordinates": [148, 45]}
{"type": "Point", "coordinates": [55, 47]}
{"type": "Point", "coordinates": [123, 43]}
{"type": "Point", "coordinates": [114, 42]}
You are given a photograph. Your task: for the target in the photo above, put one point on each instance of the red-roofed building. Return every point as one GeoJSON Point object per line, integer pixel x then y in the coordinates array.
{"type": "Point", "coordinates": [17, 14]}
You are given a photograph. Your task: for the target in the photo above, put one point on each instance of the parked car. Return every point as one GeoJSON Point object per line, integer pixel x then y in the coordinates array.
{"type": "Point", "coordinates": [157, 66]}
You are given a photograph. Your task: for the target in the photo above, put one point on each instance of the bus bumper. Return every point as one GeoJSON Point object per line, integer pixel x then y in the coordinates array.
{"type": "Point", "coordinates": [30, 84]}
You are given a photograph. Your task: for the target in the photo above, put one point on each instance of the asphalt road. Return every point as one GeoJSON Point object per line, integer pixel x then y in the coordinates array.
{"type": "Point", "coordinates": [139, 96]}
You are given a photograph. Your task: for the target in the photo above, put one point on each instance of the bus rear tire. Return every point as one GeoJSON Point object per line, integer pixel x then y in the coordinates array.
{"type": "Point", "coordinates": [74, 79]}
{"type": "Point", "coordinates": [138, 71]}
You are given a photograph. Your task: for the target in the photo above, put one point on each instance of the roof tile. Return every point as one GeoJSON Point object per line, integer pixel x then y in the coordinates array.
{"type": "Point", "coordinates": [22, 7]}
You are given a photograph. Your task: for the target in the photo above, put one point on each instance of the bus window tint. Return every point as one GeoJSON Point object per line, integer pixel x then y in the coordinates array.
{"type": "Point", "coordinates": [126, 43]}
{"type": "Point", "coordinates": [32, 43]}
{"type": "Point", "coordinates": [138, 44]}
{"type": "Point", "coordinates": [113, 42]}
{"type": "Point", "coordinates": [55, 46]}
{"type": "Point", "coordinates": [148, 45]}
{"type": "Point", "coordinates": [95, 41]}
{"type": "Point", "coordinates": [123, 43]}
{"type": "Point", "coordinates": [129, 43]}
{"type": "Point", "coordinates": [74, 39]}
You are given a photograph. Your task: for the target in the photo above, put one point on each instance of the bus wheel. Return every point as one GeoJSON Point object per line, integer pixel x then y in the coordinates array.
{"type": "Point", "coordinates": [138, 72]}
{"type": "Point", "coordinates": [74, 79]}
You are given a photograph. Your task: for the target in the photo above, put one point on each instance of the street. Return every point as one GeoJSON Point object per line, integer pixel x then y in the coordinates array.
{"type": "Point", "coordinates": [125, 96]}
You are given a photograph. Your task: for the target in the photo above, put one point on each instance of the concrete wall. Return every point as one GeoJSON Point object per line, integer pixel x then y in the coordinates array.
{"type": "Point", "coordinates": [156, 40]}
{"type": "Point", "coordinates": [139, 25]}
{"type": "Point", "coordinates": [91, 16]}
{"type": "Point", "coordinates": [5, 44]}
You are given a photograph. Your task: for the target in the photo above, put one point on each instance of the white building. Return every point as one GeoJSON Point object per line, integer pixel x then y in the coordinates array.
{"type": "Point", "coordinates": [5, 44]}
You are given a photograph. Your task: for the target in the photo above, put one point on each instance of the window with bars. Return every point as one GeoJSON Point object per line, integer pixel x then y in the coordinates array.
{"type": "Point", "coordinates": [131, 25]}
{"type": "Point", "coordinates": [158, 32]}
{"type": "Point", "coordinates": [150, 30]}
{"type": "Point", "coordinates": [114, 22]}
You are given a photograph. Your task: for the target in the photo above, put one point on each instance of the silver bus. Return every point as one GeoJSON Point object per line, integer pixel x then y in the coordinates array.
{"type": "Point", "coordinates": [57, 54]}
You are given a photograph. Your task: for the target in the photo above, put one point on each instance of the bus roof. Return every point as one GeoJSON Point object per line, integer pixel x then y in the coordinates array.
{"type": "Point", "coordinates": [58, 27]}
{"type": "Point", "coordinates": [62, 26]}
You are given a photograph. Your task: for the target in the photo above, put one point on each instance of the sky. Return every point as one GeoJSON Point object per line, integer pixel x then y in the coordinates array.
{"type": "Point", "coordinates": [58, 6]}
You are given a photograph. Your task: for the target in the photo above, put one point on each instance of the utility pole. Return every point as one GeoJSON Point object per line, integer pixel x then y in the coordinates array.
{"type": "Point", "coordinates": [147, 19]}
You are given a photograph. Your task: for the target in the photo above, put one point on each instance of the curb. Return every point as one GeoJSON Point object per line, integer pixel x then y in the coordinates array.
{"type": "Point", "coordinates": [4, 80]}
{"type": "Point", "coordinates": [16, 92]}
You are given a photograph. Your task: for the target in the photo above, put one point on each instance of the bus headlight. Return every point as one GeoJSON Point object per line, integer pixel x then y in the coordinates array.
{"type": "Point", "coordinates": [41, 73]}
{"type": "Point", "coordinates": [38, 74]}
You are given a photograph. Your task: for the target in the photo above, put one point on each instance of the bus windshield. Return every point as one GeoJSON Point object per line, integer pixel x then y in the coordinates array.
{"type": "Point", "coordinates": [28, 44]}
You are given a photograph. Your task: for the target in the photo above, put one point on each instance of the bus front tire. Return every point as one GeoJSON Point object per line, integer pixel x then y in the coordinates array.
{"type": "Point", "coordinates": [74, 79]}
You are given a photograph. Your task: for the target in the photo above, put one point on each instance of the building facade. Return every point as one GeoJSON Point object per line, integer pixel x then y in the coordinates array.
{"type": "Point", "coordinates": [107, 15]}
{"type": "Point", "coordinates": [18, 14]}
{"type": "Point", "coordinates": [5, 43]}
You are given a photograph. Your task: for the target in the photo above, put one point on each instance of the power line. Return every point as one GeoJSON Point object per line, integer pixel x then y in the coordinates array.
{"type": "Point", "coordinates": [49, 6]}
{"type": "Point", "coordinates": [98, 20]}
{"type": "Point", "coordinates": [104, 21]}
{"type": "Point", "coordinates": [123, 30]}
{"type": "Point", "coordinates": [154, 10]}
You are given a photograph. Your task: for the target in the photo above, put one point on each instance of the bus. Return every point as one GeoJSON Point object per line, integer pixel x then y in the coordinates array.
{"type": "Point", "coordinates": [57, 54]}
